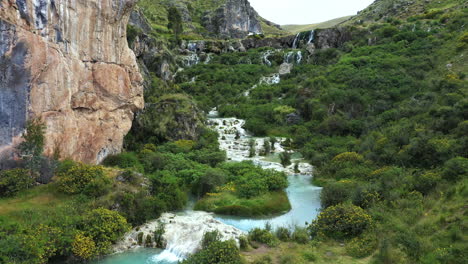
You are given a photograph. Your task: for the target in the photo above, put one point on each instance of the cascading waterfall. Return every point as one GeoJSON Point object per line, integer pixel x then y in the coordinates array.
{"type": "Point", "coordinates": [183, 234]}
{"type": "Point", "coordinates": [293, 57]}
{"type": "Point", "coordinates": [311, 37]}
{"type": "Point", "coordinates": [304, 197]}
{"type": "Point", "coordinates": [191, 60]}
{"type": "Point", "coordinates": [265, 57]}
{"type": "Point", "coordinates": [299, 57]}
{"type": "Point", "coordinates": [296, 40]}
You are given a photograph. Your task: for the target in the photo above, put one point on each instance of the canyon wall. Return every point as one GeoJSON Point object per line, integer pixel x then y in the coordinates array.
{"type": "Point", "coordinates": [67, 62]}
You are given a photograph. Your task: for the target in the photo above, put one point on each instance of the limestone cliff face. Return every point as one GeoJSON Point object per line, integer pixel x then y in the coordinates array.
{"type": "Point", "coordinates": [68, 63]}
{"type": "Point", "coordinates": [235, 19]}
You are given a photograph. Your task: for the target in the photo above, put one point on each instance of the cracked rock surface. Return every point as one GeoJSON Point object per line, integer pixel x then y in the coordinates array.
{"type": "Point", "coordinates": [68, 63]}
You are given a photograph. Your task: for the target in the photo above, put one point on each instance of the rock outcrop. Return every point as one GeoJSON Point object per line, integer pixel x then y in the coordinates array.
{"type": "Point", "coordinates": [67, 62]}
{"type": "Point", "coordinates": [235, 19]}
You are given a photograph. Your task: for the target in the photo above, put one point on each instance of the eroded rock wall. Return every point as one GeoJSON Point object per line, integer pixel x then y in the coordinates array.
{"type": "Point", "coordinates": [68, 63]}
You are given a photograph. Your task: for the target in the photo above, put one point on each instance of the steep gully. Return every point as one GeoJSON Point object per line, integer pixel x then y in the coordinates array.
{"type": "Point", "coordinates": [183, 231]}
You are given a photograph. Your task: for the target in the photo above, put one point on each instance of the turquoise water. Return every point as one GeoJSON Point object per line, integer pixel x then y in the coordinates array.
{"type": "Point", "coordinates": [139, 256]}
{"type": "Point", "coordinates": [305, 203]}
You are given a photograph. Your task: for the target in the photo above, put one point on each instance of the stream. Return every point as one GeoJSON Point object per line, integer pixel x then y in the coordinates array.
{"type": "Point", "coordinates": [184, 230]}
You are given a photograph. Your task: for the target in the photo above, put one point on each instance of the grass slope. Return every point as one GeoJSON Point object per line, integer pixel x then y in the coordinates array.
{"type": "Point", "coordinates": [327, 24]}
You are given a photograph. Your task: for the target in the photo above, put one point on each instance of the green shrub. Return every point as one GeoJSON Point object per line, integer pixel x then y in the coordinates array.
{"type": "Point", "coordinates": [81, 178]}
{"type": "Point", "coordinates": [140, 238]}
{"type": "Point", "coordinates": [362, 246]}
{"type": "Point", "coordinates": [276, 181]}
{"type": "Point", "coordinates": [309, 256]}
{"type": "Point", "coordinates": [105, 227]}
{"type": "Point", "coordinates": [125, 160]}
{"type": "Point", "coordinates": [336, 193]}
{"type": "Point", "coordinates": [148, 241]}
{"type": "Point", "coordinates": [263, 236]}
{"type": "Point", "coordinates": [300, 235]}
{"type": "Point", "coordinates": [14, 181]}
{"type": "Point", "coordinates": [210, 237]}
{"type": "Point", "coordinates": [251, 185]}
{"type": "Point", "coordinates": [244, 242]}
{"type": "Point", "coordinates": [455, 169]}
{"type": "Point", "coordinates": [283, 234]}
{"type": "Point", "coordinates": [341, 221]}
{"type": "Point", "coordinates": [225, 252]}
{"type": "Point", "coordinates": [426, 182]}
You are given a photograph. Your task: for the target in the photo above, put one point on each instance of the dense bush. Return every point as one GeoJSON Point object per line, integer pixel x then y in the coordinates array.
{"type": "Point", "coordinates": [263, 236]}
{"type": "Point", "coordinates": [362, 246]}
{"type": "Point", "coordinates": [105, 227]}
{"type": "Point", "coordinates": [225, 252]}
{"type": "Point", "coordinates": [15, 180]}
{"type": "Point", "coordinates": [456, 168]}
{"type": "Point", "coordinates": [74, 178]}
{"type": "Point", "coordinates": [336, 193]}
{"type": "Point", "coordinates": [124, 160]}
{"type": "Point", "coordinates": [341, 221]}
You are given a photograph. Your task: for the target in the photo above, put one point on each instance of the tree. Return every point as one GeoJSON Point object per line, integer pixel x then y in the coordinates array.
{"type": "Point", "coordinates": [175, 22]}
{"type": "Point", "coordinates": [273, 141]}
{"type": "Point", "coordinates": [285, 158]}
{"type": "Point", "coordinates": [266, 147]}
{"type": "Point", "coordinates": [32, 147]}
{"type": "Point", "coordinates": [252, 151]}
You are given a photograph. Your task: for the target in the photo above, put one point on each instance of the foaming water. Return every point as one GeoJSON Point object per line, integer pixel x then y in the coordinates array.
{"type": "Point", "coordinates": [138, 256]}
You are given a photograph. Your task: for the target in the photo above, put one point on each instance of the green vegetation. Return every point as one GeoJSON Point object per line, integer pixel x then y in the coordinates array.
{"type": "Point", "coordinates": [247, 190]}
{"type": "Point", "coordinates": [327, 24]}
{"type": "Point", "coordinates": [383, 118]}
{"type": "Point", "coordinates": [383, 121]}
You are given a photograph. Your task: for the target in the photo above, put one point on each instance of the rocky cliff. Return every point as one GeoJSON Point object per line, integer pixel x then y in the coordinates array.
{"type": "Point", "coordinates": [68, 63]}
{"type": "Point", "coordinates": [234, 19]}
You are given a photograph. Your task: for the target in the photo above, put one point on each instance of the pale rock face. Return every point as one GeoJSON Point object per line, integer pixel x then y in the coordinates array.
{"type": "Point", "coordinates": [68, 63]}
{"type": "Point", "coordinates": [235, 19]}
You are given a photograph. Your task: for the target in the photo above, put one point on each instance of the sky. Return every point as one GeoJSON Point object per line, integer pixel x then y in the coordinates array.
{"type": "Point", "coordinates": [307, 11]}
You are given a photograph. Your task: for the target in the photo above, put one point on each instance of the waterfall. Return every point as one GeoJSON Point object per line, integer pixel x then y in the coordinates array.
{"type": "Point", "coordinates": [192, 46]}
{"type": "Point", "coordinates": [265, 56]}
{"type": "Point", "coordinates": [183, 234]}
{"type": "Point", "coordinates": [299, 57]}
{"type": "Point", "coordinates": [293, 57]}
{"type": "Point", "coordinates": [288, 57]}
{"type": "Point", "coordinates": [190, 60]}
{"type": "Point", "coordinates": [270, 80]}
{"type": "Point", "coordinates": [311, 37]}
{"type": "Point", "coordinates": [209, 57]}
{"type": "Point", "coordinates": [296, 40]}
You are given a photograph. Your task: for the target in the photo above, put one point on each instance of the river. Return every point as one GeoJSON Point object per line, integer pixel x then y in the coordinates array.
{"type": "Point", "coordinates": [185, 229]}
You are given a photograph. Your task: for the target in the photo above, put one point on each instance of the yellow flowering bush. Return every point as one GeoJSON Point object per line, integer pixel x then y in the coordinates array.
{"type": "Point", "coordinates": [83, 247]}
{"type": "Point", "coordinates": [348, 156]}
{"type": "Point", "coordinates": [77, 178]}
{"type": "Point", "coordinates": [341, 221]}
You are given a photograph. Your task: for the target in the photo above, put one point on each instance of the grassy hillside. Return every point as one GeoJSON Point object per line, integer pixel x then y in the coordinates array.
{"type": "Point", "coordinates": [327, 24]}
{"type": "Point", "coordinates": [384, 121]}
